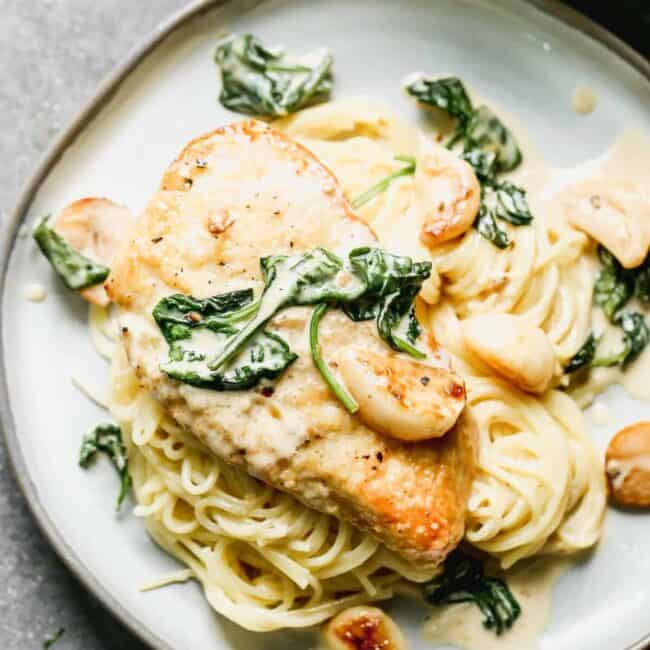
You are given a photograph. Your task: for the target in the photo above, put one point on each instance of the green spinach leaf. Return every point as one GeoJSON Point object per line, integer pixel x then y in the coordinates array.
{"type": "Point", "coordinates": [317, 276]}
{"type": "Point", "coordinates": [220, 342]}
{"type": "Point", "coordinates": [477, 128]}
{"type": "Point", "coordinates": [258, 80]}
{"type": "Point", "coordinates": [195, 329]}
{"type": "Point", "coordinates": [636, 336]}
{"type": "Point", "coordinates": [488, 228]}
{"type": "Point", "coordinates": [177, 315]}
{"type": "Point", "coordinates": [642, 281]}
{"type": "Point", "coordinates": [485, 131]}
{"type": "Point", "coordinates": [264, 356]}
{"type": "Point", "coordinates": [583, 357]}
{"type": "Point", "coordinates": [511, 204]}
{"type": "Point", "coordinates": [463, 581]}
{"type": "Point", "coordinates": [392, 282]}
{"type": "Point", "coordinates": [614, 284]}
{"type": "Point", "coordinates": [107, 438]}
{"type": "Point", "coordinates": [76, 270]}
{"type": "Point", "coordinates": [489, 147]}
{"type": "Point", "coordinates": [484, 163]}
{"type": "Point", "coordinates": [447, 94]}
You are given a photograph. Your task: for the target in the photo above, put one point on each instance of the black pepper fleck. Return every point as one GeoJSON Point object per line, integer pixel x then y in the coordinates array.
{"type": "Point", "coordinates": [380, 457]}
{"type": "Point", "coordinates": [267, 391]}
{"type": "Point", "coordinates": [424, 380]}
{"type": "Point", "coordinates": [156, 240]}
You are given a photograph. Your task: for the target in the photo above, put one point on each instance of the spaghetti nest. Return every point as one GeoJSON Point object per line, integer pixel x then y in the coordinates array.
{"type": "Point", "coordinates": [265, 560]}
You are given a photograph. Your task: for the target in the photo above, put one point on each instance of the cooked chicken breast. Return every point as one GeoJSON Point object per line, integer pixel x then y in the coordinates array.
{"type": "Point", "coordinates": [233, 196]}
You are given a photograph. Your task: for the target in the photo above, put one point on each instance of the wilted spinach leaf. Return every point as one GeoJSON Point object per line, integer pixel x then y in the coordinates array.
{"type": "Point", "coordinates": [107, 438]}
{"type": "Point", "coordinates": [614, 284]}
{"type": "Point", "coordinates": [76, 270]}
{"type": "Point", "coordinates": [392, 282]}
{"type": "Point", "coordinates": [483, 163]}
{"type": "Point", "coordinates": [489, 147]}
{"type": "Point", "coordinates": [209, 348]}
{"type": "Point", "coordinates": [448, 94]}
{"type": "Point", "coordinates": [197, 328]}
{"type": "Point", "coordinates": [583, 357]}
{"type": "Point", "coordinates": [489, 229]}
{"type": "Point", "coordinates": [479, 129]}
{"type": "Point", "coordinates": [259, 80]}
{"type": "Point", "coordinates": [264, 356]}
{"type": "Point", "coordinates": [485, 131]}
{"type": "Point", "coordinates": [463, 581]}
{"type": "Point", "coordinates": [636, 336]}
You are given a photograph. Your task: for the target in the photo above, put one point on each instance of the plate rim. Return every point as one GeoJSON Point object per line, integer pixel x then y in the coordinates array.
{"type": "Point", "coordinates": [8, 235]}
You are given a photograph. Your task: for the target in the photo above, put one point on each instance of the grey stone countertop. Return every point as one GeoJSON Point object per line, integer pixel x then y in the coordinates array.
{"type": "Point", "coordinates": [53, 55]}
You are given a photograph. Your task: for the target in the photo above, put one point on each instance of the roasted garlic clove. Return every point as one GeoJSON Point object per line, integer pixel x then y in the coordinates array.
{"type": "Point", "coordinates": [447, 194]}
{"type": "Point", "coordinates": [510, 345]}
{"type": "Point", "coordinates": [627, 466]}
{"type": "Point", "coordinates": [617, 215]}
{"type": "Point", "coordinates": [366, 628]}
{"type": "Point", "coordinates": [96, 228]}
{"type": "Point", "coordinates": [400, 397]}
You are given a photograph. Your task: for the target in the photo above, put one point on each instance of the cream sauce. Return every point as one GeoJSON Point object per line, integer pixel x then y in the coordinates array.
{"type": "Point", "coordinates": [601, 414]}
{"type": "Point", "coordinates": [531, 583]}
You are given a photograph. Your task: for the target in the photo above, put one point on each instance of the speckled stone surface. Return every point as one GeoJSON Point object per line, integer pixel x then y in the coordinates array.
{"type": "Point", "coordinates": [53, 54]}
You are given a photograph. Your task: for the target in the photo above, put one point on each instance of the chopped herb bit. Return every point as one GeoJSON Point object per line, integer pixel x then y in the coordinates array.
{"type": "Point", "coordinates": [464, 581]}
{"type": "Point", "coordinates": [384, 183]}
{"type": "Point", "coordinates": [338, 389]}
{"type": "Point", "coordinates": [50, 641]}
{"type": "Point", "coordinates": [76, 270]}
{"type": "Point", "coordinates": [262, 81]}
{"type": "Point", "coordinates": [107, 438]}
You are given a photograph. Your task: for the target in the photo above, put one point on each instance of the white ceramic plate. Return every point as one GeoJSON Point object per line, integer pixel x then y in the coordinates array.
{"type": "Point", "coordinates": [509, 51]}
